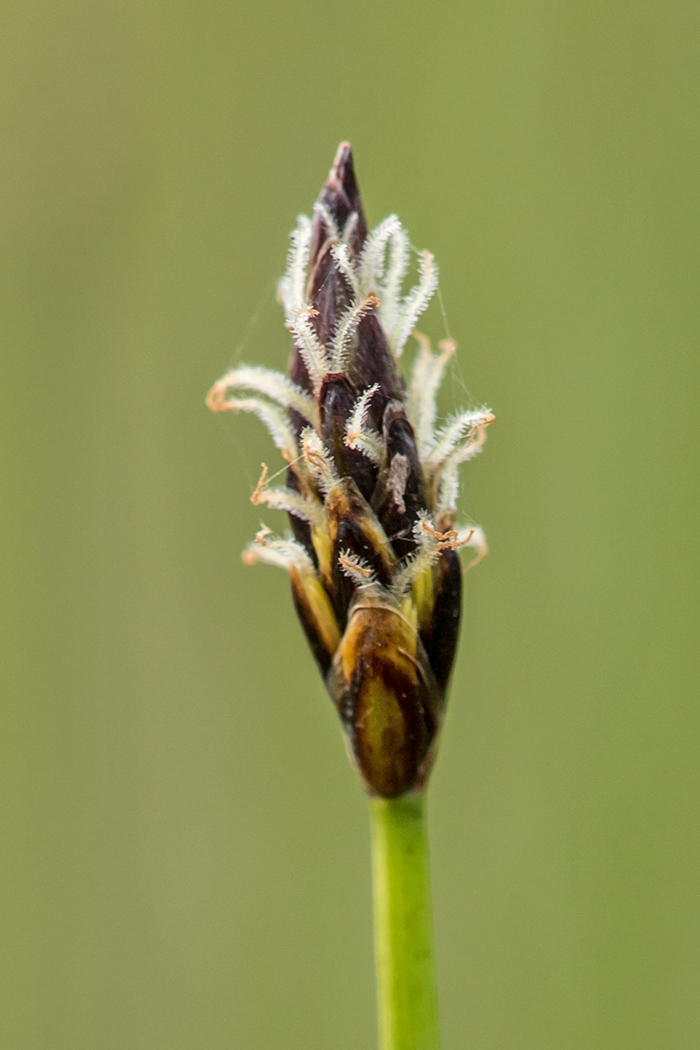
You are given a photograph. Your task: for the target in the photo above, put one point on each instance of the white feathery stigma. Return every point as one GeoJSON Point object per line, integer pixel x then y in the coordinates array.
{"type": "Point", "coordinates": [356, 569]}
{"type": "Point", "coordinates": [284, 552]}
{"type": "Point", "coordinates": [360, 436]}
{"type": "Point", "coordinates": [322, 211]}
{"type": "Point", "coordinates": [426, 377]}
{"type": "Point", "coordinates": [447, 438]}
{"type": "Point", "coordinates": [279, 498]}
{"type": "Point", "coordinates": [341, 255]}
{"type": "Point", "coordinates": [414, 303]}
{"type": "Point", "coordinates": [342, 344]}
{"type": "Point", "coordinates": [292, 286]}
{"type": "Point", "coordinates": [265, 381]}
{"type": "Point", "coordinates": [274, 418]}
{"type": "Point", "coordinates": [318, 460]}
{"type": "Point", "coordinates": [312, 351]}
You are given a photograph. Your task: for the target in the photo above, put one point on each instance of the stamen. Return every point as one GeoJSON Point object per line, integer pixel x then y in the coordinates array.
{"type": "Point", "coordinates": [450, 539]}
{"type": "Point", "coordinates": [428, 540]}
{"type": "Point", "coordinates": [263, 533]}
{"type": "Point", "coordinates": [255, 498]}
{"type": "Point", "coordinates": [477, 540]}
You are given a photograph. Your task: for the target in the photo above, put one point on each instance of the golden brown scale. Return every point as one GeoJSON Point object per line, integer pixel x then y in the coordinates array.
{"type": "Point", "coordinates": [387, 699]}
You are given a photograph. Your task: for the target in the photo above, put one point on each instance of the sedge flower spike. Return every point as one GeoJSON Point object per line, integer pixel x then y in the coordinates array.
{"type": "Point", "coordinates": [372, 481]}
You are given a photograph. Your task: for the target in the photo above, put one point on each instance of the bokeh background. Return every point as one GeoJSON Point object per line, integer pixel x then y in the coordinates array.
{"type": "Point", "coordinates": [183, 848]}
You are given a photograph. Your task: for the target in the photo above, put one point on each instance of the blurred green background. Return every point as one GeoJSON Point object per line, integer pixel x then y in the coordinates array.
{"type": "Point", "coordinates": [183, 848]}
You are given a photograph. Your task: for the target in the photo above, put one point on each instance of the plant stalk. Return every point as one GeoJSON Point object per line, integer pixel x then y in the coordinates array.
{"type": "Point", "coordinates": [403, 925]}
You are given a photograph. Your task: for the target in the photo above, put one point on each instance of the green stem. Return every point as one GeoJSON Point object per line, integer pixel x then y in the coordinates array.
{"type": "Point", "coordinates": [403, 926]}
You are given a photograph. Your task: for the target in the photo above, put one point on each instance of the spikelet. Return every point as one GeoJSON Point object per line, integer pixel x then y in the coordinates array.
{"type": "Point", "coordinates": [372, 481]}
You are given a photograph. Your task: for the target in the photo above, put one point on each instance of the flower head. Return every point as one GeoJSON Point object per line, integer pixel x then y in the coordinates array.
{"type": "Point", "coordinates": [372, 481]}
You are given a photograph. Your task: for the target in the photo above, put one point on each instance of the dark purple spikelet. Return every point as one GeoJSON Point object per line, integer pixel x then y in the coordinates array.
{"type": "Point", "coordinates": [372, 483]}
